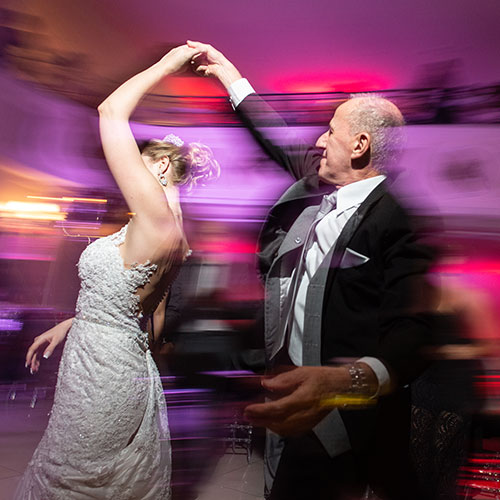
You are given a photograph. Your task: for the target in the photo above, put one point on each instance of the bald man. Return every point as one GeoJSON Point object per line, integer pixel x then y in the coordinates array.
{"type": "Point", "coordinates": [341, 264]}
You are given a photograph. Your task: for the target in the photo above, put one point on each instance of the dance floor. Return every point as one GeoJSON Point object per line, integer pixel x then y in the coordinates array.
{"type": "Point", "coordinates": [232, 477]}
{"type": "Point", "coordinates": [22, 427]}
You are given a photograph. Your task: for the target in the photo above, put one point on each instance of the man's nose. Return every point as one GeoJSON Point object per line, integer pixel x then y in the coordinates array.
{"type": "Point", "coordinates": [321, 142]}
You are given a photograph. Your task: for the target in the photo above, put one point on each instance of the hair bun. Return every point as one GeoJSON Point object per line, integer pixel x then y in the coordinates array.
{"type": "Point", "coordinates": [203, 166]}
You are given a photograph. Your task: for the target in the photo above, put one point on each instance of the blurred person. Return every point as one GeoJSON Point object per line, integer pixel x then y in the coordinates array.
{"type": "Point", "coordinates": [350, 294]}
{"type": "Point", "coordinates": [108, 434]}
{"type": "Point", "coordinates": [446, 408]}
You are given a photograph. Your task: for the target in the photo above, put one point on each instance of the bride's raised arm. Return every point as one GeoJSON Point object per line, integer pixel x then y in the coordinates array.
{"type": "Point", "coordinates": [143, 194]}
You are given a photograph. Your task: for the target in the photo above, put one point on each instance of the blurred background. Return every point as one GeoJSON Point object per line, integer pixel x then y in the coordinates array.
{"type": "Point", "coordinates": [59, 60]}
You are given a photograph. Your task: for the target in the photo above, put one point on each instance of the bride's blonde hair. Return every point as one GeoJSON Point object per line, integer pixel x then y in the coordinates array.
{"type": "Point", "coordinates": [193, 165]}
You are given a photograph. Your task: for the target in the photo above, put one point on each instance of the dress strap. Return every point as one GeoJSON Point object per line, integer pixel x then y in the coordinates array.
{"type": "Point", "coordinates": [118, 238]}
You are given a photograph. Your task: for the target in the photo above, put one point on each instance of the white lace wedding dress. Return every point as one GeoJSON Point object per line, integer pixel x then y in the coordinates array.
{"type": "Point", "coordinates": [107, 437]}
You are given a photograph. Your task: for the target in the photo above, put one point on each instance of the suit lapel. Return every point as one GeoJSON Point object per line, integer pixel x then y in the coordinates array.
{"type": "Point", "coordinates": [297, 233]}
{"type": "Point", "coordinates": [303, 193]}
{"type": "Point", "coordinates": [334, 256]}
{"type": "Point", "coordinates": [281, 269]}
{"type": "Point", "coordinates": [310, 192]}
{"type": "Point", "coordinates": [306, 187]}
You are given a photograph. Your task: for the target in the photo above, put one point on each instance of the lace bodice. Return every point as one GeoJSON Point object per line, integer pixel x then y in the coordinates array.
{"type": "Point", "coordinates": [108, 289]}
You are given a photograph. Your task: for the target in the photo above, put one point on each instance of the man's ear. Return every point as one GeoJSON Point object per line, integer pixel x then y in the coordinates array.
{"type": "Point", "coordinates": [361, 145]}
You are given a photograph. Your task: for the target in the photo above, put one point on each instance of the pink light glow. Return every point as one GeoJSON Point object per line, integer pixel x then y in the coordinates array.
{"type": "Point", "coordinates": [351, 82]}
{"type": "Point", "coordinates": [480, 266]}
{"type": "Point", "coordinates": [228, 247]}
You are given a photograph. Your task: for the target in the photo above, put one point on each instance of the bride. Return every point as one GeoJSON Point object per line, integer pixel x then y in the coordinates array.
{"type": "Point", "coordinates": [108, 435]}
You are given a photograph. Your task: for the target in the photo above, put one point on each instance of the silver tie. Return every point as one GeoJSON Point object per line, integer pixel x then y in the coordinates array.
{"type": "Point", "coordinates": [328, 203]}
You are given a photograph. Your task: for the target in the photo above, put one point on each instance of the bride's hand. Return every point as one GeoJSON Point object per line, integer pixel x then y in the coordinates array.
{"type": "Point", "coordinates": [178, 58]}
{"type": "Point", "coordinates": [53, 337]}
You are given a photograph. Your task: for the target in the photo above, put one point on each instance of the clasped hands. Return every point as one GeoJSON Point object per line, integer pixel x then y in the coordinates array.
{"type": "Point", "coordinates": [203, 59]}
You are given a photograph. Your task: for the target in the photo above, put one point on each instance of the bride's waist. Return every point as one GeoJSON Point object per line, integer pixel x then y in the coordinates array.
{"type": "Point", "coordinates": [118, 330]}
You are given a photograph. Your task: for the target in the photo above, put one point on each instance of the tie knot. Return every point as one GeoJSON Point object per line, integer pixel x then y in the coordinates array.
{"type": "Point", "coordinates": [328, 203]}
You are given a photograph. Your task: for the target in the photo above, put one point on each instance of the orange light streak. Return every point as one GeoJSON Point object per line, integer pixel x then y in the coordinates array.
{"type": "Point", "coordinates": [68, 199]}
{"type": "Point", "coordinates": [29, 210]}
{"type": "Point", "coordinates": [40, 216]}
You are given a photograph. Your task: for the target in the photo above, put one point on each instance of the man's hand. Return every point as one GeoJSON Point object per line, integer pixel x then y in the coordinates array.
{"type": "Point", "coordinates": [211, 62]}
{"type": "Point", "coordinates": [301, 392]}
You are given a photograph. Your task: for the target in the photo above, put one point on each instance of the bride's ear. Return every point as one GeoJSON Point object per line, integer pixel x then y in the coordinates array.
{"type": "Point", "coordinates": [164, 163]}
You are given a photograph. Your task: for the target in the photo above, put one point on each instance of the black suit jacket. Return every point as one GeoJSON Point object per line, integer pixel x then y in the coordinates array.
{"type": "Point", "coordinates": [369, 309]}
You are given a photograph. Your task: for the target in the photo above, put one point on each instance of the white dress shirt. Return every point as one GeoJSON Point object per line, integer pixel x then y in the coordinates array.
{"type": "Point", "coordinates": [349, 198]}
{"type": "Point", "coordinates": [239, 90]}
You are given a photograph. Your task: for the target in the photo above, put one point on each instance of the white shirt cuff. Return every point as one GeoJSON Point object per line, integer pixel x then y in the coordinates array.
{"type": "Point", "coordinates": [238, 90]}
{"type": "Point", "coordinates": [383, 377]}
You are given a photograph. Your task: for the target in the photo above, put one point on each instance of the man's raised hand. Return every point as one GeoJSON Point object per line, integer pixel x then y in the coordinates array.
{"type": "Point", "coordinates": [210, 62]}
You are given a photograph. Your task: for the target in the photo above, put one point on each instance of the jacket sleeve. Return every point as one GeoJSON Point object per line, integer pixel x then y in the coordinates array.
{"type": "Point", "coordinates": [292, 154]}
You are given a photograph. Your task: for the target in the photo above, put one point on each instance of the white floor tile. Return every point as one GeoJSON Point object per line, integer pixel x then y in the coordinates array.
{"type": "Point", "coordinates": [17, 449]}
{"type": "Point", "coordinates": [8, 487]}
{"type": "Point", "coordinates": [21, 429]}
{"type": "Point", "coordinates": [218, 492]}
{"type": "Point", "coordinates": [248, 479]}
{"type": "Point", "coordinates": [6, 472]}
{"type": "Point", "coordinates": [231, 462]}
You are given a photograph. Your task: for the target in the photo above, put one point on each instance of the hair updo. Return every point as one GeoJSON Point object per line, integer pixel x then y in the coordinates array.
{"type": "Point", "coordinates": [192, 165]}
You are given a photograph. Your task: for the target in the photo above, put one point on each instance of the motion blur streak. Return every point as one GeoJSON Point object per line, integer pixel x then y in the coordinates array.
{"type": "Point", "coordinates": [67, 198]}
{"type": "Point", "coordinates": [27, 210]}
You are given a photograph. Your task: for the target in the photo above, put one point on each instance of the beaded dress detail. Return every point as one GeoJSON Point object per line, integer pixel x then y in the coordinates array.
{"type": "Point", "coordinates": [108, 436]}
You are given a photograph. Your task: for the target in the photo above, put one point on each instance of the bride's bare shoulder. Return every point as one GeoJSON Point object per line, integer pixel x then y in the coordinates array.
{"type": "Point", "coordinates": [152, 242]}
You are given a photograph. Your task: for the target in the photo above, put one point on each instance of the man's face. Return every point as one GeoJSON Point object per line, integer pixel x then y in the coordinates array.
{"type": "Point", "coordinates": [337, 144]}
